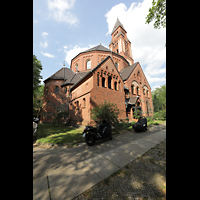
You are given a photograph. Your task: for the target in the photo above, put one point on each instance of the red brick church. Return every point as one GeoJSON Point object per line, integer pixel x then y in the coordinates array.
{"type": "Point", "coordinates": [95, 75]}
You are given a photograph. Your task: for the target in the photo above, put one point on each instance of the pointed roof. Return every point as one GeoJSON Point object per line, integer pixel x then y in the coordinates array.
{"type": "Point", "coordinates": [117, 24]}
{"type": "Point", "coordinates": [125, 73]}
{"type": "Point", "coordinates": [77, 76]}
{"type": "Point", "coordinates": [63, 73]}
{"type": "Point", "coordinates": [97, 48]}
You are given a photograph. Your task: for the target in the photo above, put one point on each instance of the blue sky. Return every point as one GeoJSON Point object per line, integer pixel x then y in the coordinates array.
{"type": "Point", "coordinates": [63, 28]}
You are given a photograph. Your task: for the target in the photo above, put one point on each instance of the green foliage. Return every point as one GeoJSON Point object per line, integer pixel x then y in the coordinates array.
{"type": "Point", "coordinates": [158, 13]}
{"type": "Point", "coordinates": [122, 125]}
{"type": "Point", "coordinates": [149, 119]}
{"type": "Point", "coordinates": [160, 115]}
{"type": "Point", "coordinates": [37, 100]}
{"type": "Point", "coordinates": [60, 118]}
{"type": "Point", "coordinates": [136, 114]}
{"type": "Point", "coordinates": [105, 111]}
{"type": "Point", "coordinates": [159, 102]}
{"type": "Point", "coordinates": [37, 67]}
{"type": "Point", "coordinates": [37, 88]}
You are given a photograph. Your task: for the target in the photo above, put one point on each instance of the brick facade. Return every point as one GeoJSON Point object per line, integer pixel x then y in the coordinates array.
{"type": "Point", "coordinates": [96, 75]}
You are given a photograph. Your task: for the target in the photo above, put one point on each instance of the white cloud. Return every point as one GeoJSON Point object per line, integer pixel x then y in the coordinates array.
{"type": "Point", "coordinates": [47, 55]}
{"type": "Point", "coordinates": [65, 47]}
{"type": "Point", "coordinates": [44, 44]}
{"type": "Point", "coordinates": [58, 10]}
{"type": "Point", "coordinates": [44, 34]}
{"type": "Point", "coordinates": [147, 43]}
{"type": "Point", "coordinates": [73, 52]}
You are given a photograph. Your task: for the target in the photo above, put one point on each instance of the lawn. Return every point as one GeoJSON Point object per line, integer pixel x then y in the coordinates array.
{"type": "Point", "coordinates": [58, 134]}
{"type": "Point", "coordinates": [62, 134]}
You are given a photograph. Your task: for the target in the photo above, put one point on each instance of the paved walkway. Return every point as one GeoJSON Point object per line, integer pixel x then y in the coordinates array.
{"type": "Point", "coordinates": [66, 177]}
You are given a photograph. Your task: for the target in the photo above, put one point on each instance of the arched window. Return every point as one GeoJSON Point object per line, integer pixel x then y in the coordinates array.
{"type": "Point", "coordinates": [147, 93]}
{"type": "Point", "coordinates": [88, 64]}
{"type": "Point", "coordinates": [119, 86]}
{"type": "Point", "coordinates": [115, 85]}
{"type": "Point", "coordinates": [116, 65]}
{"type": "Point", "coordinates": [76, 67]}
{"type": "Point", "coordinates": [103, 82]}
{"type": "Point", "coordinates": [137, 90]}
{"type": "Point", "coordinates": [109, 82]}
{"type": "Point", "coordinates": [98, 79]}
{"type": "Point", "coordinates": [56, 90]}
{"type": "Point", "coordinates": [133, 89]}
{"type": "Point", "coordinates": [65, 90]}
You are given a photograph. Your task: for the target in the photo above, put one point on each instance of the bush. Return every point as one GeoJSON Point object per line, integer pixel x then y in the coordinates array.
{"type": "Point", "coordinates": [122, 125]}
{"type": "Point", "coordinates": [60, 118]}
{"type": "Point", "coordinates": [160, 115]}
{"type": "Point", "coordinates": [105, 111]}
{"type": "Point", "coordinates": [149, 119]}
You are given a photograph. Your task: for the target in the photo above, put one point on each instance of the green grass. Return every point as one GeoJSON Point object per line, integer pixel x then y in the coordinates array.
{"type": "Point", "coordinates": [62, 134]}
{"type": "Point", "coordinates": [58, 134]}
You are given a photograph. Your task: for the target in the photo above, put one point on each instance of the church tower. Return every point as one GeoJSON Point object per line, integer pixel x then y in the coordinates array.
{"type": "Point", "coordinates": [120, 43]}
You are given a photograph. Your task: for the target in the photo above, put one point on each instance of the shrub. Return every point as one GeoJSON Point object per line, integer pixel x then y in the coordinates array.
{"type": "Point", "coordinates": [122, 125]}
{"type": "Point", "coordinates": [160, 115]}
{"type": "Point", "coordinates": [60, 118]}
{"type": "Point", "coordinates": [105, 111]}
{"type": "Point", "coordinates": [136, 114]}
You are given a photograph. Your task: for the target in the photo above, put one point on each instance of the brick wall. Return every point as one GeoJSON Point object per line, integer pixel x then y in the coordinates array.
{"type": "Point", "coordinates": [54, 103]}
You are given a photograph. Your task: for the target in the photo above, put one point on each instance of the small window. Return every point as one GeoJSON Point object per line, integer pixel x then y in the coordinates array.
{"type": "Point", "coordinates": [137, 90]}
{"type": "Point", "coordinates": [65, 90]}
{"type": "Point", "coordinates": [109, 82]}
{"type": "Point", "coordinates": [116, 65]}
{"type": "Point", "coordinates": [132, 88]}
{"type": "Point", "coordinates": [115, 85]}
{"type": "Point", "coordinates": [98, 79]}
{"type": "Point", "coordinates": [103, 82]}
{"type": "Point", "coordinates": [76, 67]}
{"type": "Point", "coordinates": [89, 64]}
{"type": "Point", "coordinates": [56, 90]}
{"type": "Point", "coordinates": [117, 50]}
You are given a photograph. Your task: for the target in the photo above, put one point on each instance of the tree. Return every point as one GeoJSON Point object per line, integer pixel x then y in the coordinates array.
{"type": "Point", "coordinates": [37, 67]}
{"type": "Point", "coordinates": [159, 102]}
{"type": "Point", "coordinates": [160, 94]}
{"type": "Point", "coordinates": [105, 111]}
{"type": "Point", "coordinates": [156, 103]}
{"type": "Point", "coordinates": [37, 100]}
{"type": "Point", "coordinates": [158, 13]}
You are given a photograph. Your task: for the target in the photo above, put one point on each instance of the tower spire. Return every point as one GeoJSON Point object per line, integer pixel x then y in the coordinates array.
{"type": "Point", "coordinates": [120, 43]}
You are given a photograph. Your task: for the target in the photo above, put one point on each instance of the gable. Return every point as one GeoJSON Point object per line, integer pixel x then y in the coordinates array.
{"type": "Point", "coordinates": [137, 75]}
{"type": "Point", "coordinates": [107, 67]}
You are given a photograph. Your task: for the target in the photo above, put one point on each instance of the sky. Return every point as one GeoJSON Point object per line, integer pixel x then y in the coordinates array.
{"type": "Point", "coordinates": [64, 28]}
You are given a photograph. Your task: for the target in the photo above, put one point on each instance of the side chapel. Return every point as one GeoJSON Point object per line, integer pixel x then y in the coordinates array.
{"type": "Point", "coordinates": [95, 75]}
